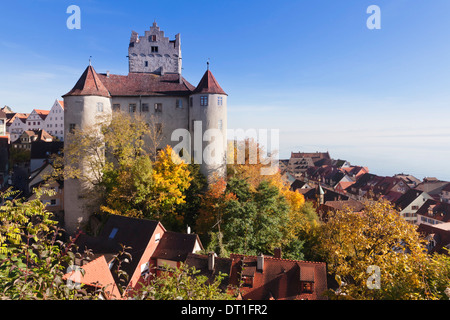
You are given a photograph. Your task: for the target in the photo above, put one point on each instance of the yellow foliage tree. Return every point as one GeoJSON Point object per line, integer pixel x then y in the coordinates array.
{"type": "Point", "coordinates": [376, 254]}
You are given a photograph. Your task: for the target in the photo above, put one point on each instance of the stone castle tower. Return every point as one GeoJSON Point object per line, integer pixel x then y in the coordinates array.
{"type": "Point", "coordinates": [154, 53]}
{"type": "Point", "coordinates": [155, 89]}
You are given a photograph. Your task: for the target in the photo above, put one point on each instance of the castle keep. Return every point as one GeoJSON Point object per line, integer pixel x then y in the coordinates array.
{"type": "Point", "coordinates": [155, 89]}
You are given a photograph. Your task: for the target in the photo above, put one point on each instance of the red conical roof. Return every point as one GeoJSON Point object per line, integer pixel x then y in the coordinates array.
{"type": "Point", "coordinates": [89, 84]}
{"type": "Point", "coordinates": [209, 84]}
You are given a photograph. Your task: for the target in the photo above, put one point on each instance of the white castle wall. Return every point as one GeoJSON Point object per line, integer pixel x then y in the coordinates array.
{"type": "Point", "coordinates": [81, 111]}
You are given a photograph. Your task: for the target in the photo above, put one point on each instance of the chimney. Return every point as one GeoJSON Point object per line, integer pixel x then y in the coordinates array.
{"type": "Point", "coordinates": [211, 261]}
{"type": "Point", "coordinates": [277, 253]}
{"type": "Point", "coordinates": [260, 263]}
{"type": "Point", "coordinates": [107, 74]}
{"type": "Point", "coordinates": [188, 231]}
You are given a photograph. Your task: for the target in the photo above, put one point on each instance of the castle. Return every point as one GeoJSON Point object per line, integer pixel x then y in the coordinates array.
{"type": "Point", "coordinates": [154, 87]}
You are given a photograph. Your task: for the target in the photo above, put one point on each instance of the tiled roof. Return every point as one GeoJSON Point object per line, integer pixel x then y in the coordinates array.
{"type": "Point", "coordinates": [440, 210]}
{"type": "Point", "coordinates": [440, 236]}
{"type": "Point", "coordinates": [96, 274]}
{"type": "Point", "coordinates": [136, 84]}
{"type": "Point", "coordinates": [280, 279]}
{"type": "Point", "coordinates": [407, 198]}
{"type": "Point", "coordinates": [209, 84]}
{"type": "Point", "coordinates": [314, 155]}
{"type": "Point", "coordinates": [221, 265]}
{"type": "Point", "coordinates": [131, 232]}
{"type": "Point", "coordinates": [89, 84]}
{"type": "Point", "coordinates": [175, 246]}
{"type": "Point", "coordinates": [42, 113]}
{"type": "Point", "coordinates": [21, 116]}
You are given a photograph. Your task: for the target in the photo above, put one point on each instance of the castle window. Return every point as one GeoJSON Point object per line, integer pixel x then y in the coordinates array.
{"type": "Point", "coordinates": [99, 107]}
{"type": "Point", "coordinates": [116, 107]}
{"type": "Point", "coordinates": [145, 107]}
{"type": "Point", "coordinates": [158, 107]}
{"type": "Point", "coordinates": [154, 49]}
{"type": "Point", "coordinates": [204, 100]}
{"type": "Point", "coordinates": [219, 101]}
{"type": "Point", "coordinates": [132, 107]}
{"type": "Point", "coordinates": [179, 104]}
{"type": "Point", "coordinates": [152, 38]}
{"type": "Point", "coordinates": [72, 127]}
{"type": "Point", "coordinates": [220, 124]}
{"type": "Point", "coordinates": [146, 63]}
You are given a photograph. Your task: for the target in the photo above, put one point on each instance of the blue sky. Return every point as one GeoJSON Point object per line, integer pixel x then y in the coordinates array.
{"type": "Point", "coordinates": [310, 68]}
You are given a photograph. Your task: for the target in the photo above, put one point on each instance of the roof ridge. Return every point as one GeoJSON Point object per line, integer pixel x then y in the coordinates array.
{"type": "Point", "coordinates": [274, 258]}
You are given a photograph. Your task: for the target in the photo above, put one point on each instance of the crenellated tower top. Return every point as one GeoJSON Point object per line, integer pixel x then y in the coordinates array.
{"type": "Point", "coordinates": [154, 53]}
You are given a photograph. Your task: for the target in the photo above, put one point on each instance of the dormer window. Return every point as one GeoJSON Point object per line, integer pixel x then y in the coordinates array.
{"type": "Point", "coordinates": [306, 287]}
{"type": "Point", "coordinates": [247, 281]}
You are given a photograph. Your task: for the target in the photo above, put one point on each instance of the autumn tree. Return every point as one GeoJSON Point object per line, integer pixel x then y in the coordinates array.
{"type": "Point", "coordinates": [143, 189]}
{"type": "Point", "coordinates": [251, 159]}
{"type": "Point", "coordinates": [33, 257]}
{"type": "Point", "coordinates": [357, 246]}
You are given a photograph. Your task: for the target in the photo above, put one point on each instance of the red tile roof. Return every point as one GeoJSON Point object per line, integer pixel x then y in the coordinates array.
{"type": "Point", "coordinates": [96, 274]}
{"type": "Point", "coordinates": [209, 84]}
{"type": "Point", "coordinates": [89, 84]}
{"type": "Point", "coordinates": [440, 236]}
{"type": "Point", "coordinates": [145, 84]}
{"type": "Point", "coordinates": [42, 113]}
{"type": "Point", "coordinates": [280, 279]}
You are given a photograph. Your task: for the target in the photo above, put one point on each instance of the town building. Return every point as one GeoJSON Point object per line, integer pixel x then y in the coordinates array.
{"type": "Point", "coordinates": [433, 212]}
{"type": "Point", "coordinates": [437, 237]}
{"type": "Point", "coordinates": [54, 122]}
{"type": "Point", "coordinates": [410, 202]}
{"type": "Point", "coordinates": [28, 137]}
{"type": "Point", "coordinates": [273, 278]}
{"type": "Point", "coordinates": [152, 249]}
{"type": "Point", "coordinates": [51, 121]}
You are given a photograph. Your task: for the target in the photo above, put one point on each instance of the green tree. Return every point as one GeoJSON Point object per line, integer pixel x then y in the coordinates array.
{"type": "Point", "coordinates": [33, 258]}
{"type": "Point", "coordinates": [184, 283]}
{"type": "Point", "coordinates": [144, 189]}
{"type": "Point", "coordinates": [253, 222]}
